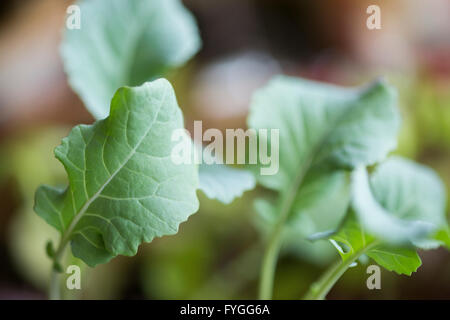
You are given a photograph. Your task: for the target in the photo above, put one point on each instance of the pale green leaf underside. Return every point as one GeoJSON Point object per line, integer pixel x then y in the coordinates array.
{"type": "Point", "coordinates": [123, 42]}
{"type": "Point", "coordinates": [123, 187]}
{"type": "Point", "coordinates": [320, 206]}
{"type": "Point", "coordinates": [321, 203]}
{"type": "Point", "coordinates": [321, 123]}
{"type": "Point", "coordinates": [403, 202]}
{"type": "Point", "coordinates": [324, 130]}
{"type": "Point", "coordinates": [224, 183]}
{"type": "Point", "coordinates": [294, 237]}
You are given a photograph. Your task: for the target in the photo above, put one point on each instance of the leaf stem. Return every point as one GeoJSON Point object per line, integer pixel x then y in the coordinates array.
{"type": "Point", "coordinates": [274, 244]}
{"type": "Point", "coordinates": [55, 277]}
{"type": "Point", "coordinates": [269, 265]}
{"type": "Point", "coordinates": [320, 289]}
{"type": "Point", "coordinates": [55, 290]}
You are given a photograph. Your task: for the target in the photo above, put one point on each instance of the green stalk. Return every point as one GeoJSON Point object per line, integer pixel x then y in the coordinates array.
{"type": "Point", "coordinates": [55, 277]}
{"type": "Point", "coordinates": [54, 291]}
{"type": "Point", "coordinates": [320, 289]}
{"type": "Point", "coordinates": [272, 249]}
{"type": "Point", "coordinates": [269, 265]}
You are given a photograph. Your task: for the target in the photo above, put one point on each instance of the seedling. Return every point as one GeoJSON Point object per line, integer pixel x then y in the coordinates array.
{"type": "Point", "coordinates": [335, 180]}
{"type": "Point", "coordinates": [328, 136]}
{"type": "Point", "coordinates": [123, 189]}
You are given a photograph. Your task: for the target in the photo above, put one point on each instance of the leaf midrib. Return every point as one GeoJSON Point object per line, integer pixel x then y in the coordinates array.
{"type": "Point", "coordinates": [67, 234]}
{"type": "Point", "coordinates": [315, 151]}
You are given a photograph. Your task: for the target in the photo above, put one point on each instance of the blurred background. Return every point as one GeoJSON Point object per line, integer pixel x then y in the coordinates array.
{"type": "Point", "coordinates": [245, 42]}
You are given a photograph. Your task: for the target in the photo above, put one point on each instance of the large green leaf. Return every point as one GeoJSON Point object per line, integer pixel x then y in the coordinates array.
{"type": "Point", "coordinates": [403, 202]}
{"type": "Point", "coordinates": [323, 130]}
{"type": "Point", "coordinates": [123, 187]}
{"type": "Point", "coordinates": [321, 203]}
{"type": "Point", "coordinates": [321, 123]}
{"type": "Point", "coordinates": [123, 42]}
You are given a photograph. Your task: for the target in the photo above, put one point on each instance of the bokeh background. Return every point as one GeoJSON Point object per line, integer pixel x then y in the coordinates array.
{"type": "Point", "coordinates": [217, 252]}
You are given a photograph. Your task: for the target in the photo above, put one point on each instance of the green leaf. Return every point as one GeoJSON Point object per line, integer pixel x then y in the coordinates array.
{"type": "Point", "coordinates": [49, 249]}
{"type": "Point", "coordinates": [323, 130]}
{"type": "Point", "coordinates": [321, 123]}
{"type": "Point", "coordinates": [401, 206]}
{"type": "Point", "coordinates": [400, 260]}
{"type": "Point", "coordinates": [224, 183]}
{"type": "Point", "coordinates": [321, 204]}
{"type": "Point", "coordinates": [294, 236]}
{"type": "Point", "coordinates": [353, 241]}
{"type": "Point", "coordinates": [443, 237]}
{"type": "Point", "coordinates": [57, 267]}
{"type": "Point", "coordinates": [403, 202]}
{"type": "Point", "coordinates": [318, 208]}
{"type": "Point", "coordinates": [409, 190]}
{"type": "Point", "coordinates": [123, 187]}
{"type": "Point", "coordinates": [124, 42]}
{"type": "Point", "coordinates": [351, 238]}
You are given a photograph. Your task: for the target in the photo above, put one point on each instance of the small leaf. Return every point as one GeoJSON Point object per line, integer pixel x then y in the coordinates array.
{"type": "Point", "coordinates": [403, 203]}
{"type": "Point", "coordinates": [123, 187]}
{"type": "Point", "coordinates": [224, 183]}
{"type": "Point", "coordinates": [400, 260]}
{"type": "Point", "coordinates": [399, 208]}
{"type": "Point", "coordinates": [352, 236]}
{"type": "Point", "coordinates": [320, 205]}
{"type": "Point", "coordinates": [57, 267]}
{"type": "Point", "coordinates": [49, 249]}
{"type": "Point", "coordinates": [356, 241]}
{"type": "Point", "coordinates": [123, 42]}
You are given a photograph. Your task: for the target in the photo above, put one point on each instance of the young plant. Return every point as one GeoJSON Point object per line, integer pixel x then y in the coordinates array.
{"type": "Point", "coordinates": [125, 43]}
{"type": "Point", "coordinates": [124, 190]}
{"type": "Point", "coordinates": [123, 187]}
{"type": "Point", "coordinates": [326, 132]}
{"type": "Point", "coordinates": [399, 209]}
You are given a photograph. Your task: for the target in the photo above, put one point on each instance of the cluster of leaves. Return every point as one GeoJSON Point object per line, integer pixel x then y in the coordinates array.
{"type": "Point", "coordinates": [329, 136]}
{"type": "Point", "coordinates": [123, 190]}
